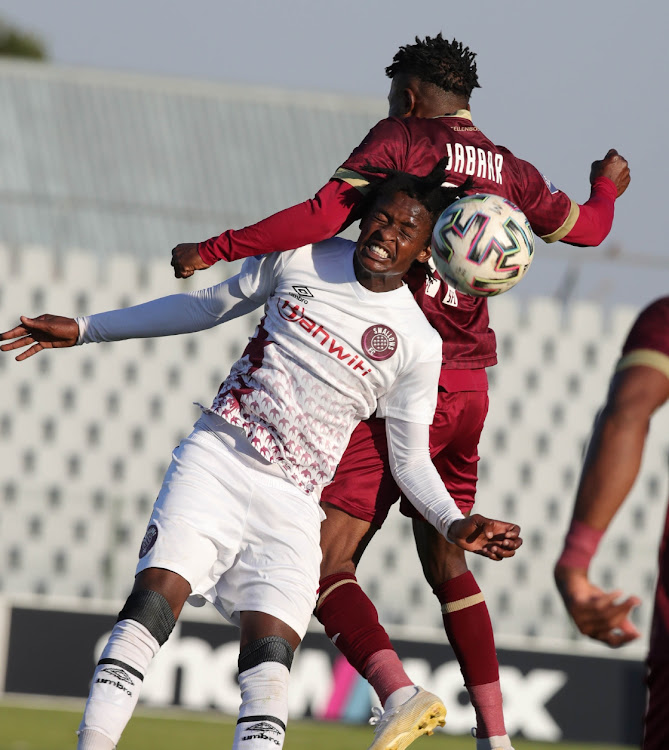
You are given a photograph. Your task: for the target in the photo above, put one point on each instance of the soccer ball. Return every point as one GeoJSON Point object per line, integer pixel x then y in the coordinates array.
{"type": "Point", "coordinates": [482, 245]}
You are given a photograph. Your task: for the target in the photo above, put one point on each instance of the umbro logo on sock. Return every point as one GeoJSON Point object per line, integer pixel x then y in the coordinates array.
{"type": "Point", "coordinates": [120, 674]}
{"type": "Point", "coordinates": [264, 726]}
{"type": "Point", "coordinates": [263, 730]}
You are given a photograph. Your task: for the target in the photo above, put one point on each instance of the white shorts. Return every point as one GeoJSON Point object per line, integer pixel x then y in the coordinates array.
{"type": "Point", "coordinates": [232, 525]}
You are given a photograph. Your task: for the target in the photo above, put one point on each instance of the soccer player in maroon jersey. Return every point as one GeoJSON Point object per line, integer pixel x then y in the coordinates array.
{"type": "Point", "coordinates": [432, 81]}
{"type": "Point", "coordinates": [639, 387]}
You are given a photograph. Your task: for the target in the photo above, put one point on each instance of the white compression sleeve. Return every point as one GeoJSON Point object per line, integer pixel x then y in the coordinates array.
{"type": "Point", "coordinates": [168, 316]}
{"type": "Point", "coordinates": [414, 472]}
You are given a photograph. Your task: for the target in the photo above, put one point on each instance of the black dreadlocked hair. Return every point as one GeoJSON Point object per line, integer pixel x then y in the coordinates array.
{"type": "Point", "coordinates": [449, 65]}
{"type": "Point", "coordinates": [427, 190]}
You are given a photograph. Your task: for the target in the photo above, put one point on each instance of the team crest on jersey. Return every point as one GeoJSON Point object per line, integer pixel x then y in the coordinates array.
{"type": "Point", "coordinates": [550, 185]}
{"type": "Point", "coordinates": [379, 342]}
{"type": "Point", "coordinates": [148, 541]}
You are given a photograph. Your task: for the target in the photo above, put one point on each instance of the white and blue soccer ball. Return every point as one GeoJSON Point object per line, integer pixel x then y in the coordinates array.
{"type": "Point", "coordinates": [482, 245]}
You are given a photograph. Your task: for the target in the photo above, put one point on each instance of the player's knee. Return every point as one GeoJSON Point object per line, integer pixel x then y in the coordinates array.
{"type": "Point", "coordinates": [150, 609]}
{"type": "Point", "coordinates": [271, 648]}
{"type": "Point", "coordinates": [446, 564]}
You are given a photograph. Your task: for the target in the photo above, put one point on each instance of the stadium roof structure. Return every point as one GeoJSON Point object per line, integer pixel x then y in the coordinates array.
{"type": "Point", "coordinates": [118, 162]}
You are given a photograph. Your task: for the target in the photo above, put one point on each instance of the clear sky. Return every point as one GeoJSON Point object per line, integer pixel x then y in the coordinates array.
{"type": "Point", "coordinates": [561, 82]}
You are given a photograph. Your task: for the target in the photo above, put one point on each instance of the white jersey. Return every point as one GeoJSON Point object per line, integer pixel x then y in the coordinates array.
{"type": "Point", "coordinates": [327, 354]}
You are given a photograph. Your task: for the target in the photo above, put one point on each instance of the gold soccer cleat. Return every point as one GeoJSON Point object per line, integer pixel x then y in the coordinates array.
{"type": "Point", "coordinates": [397, 729]}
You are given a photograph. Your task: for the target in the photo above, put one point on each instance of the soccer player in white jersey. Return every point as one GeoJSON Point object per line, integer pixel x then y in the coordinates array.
{"type": "Point", "coordinates": [237, 519]}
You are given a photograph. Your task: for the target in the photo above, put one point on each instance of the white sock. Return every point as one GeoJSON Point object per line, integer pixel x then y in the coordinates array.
{"type": "Point", "coordinates": [115, 685]}
{"type": "Point", "coordinates": [264, 710]}
{"type": "Point", "coordinates": [399, 696]}
{"type": "Point", "coordinates": [491, 743]}
{"type": "Point", "coordinates": [89, 739]}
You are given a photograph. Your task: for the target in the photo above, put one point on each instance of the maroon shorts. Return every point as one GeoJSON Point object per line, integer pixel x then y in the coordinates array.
{"type": "Point", "coordinates": [363, 485]}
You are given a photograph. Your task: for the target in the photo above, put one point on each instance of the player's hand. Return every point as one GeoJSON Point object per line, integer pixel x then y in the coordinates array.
{"type": "Point", "coordinates": [615, 167]}
{"type": "Point", "coordinates": [44, 332]}
{"type": "Point", "coordinates": [186, 260]}
{"type": "Point", "coordinates": [485, 536]}
{"type": "Point", "coordinates": [597, 614]}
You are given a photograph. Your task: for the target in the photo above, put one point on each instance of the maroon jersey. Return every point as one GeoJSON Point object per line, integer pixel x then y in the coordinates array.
{"type": "Point", "coordinates": [650, 332]}
{"type": "Point", "coordinates": [648, 344]}
{"type": "Point", "coordinates": [415, 145]}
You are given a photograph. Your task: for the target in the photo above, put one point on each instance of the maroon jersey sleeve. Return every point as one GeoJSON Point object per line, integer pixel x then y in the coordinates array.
{"type": "Point", "coordinates": [551, 213]}
{"type": "Point", "coordinates": [648, 341]}
{"type": "Point", "coordinates": [320, 218]}
{"type": "Point", "coordinates": [595, 216]}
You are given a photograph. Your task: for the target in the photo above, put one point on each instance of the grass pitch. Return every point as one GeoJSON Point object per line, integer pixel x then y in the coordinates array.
{"type": "Point", "coordinates": [48, 728]}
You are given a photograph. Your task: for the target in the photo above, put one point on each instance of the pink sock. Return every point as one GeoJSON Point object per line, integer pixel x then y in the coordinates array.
{"type": "Point", "coordinates": [385, 673]}
{"type": "Point", "coordinates": [487, 702]}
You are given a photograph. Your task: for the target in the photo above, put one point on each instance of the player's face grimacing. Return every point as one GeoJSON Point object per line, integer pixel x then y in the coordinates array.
{"type": "Point", "coordinates": [394, 233]}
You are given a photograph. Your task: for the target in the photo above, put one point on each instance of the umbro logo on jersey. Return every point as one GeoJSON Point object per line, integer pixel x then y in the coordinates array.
{"type": "Point", "coordinates": [301, 293]}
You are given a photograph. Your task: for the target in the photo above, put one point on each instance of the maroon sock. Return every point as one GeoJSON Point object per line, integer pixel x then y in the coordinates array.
{"type": "Point", "coordinates": [352, 623]}
{"type": "Point", "coordinates": [469, 631]}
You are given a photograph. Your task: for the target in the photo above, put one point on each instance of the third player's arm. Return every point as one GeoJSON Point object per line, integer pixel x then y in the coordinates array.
{"type": "Point", "coordinates": [611, 466]}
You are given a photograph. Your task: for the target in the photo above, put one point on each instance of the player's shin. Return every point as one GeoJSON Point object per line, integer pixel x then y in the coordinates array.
{"type": "Point", "coordinates": [144, 624]}
{"type": "Point", "coordinates": [115, 686]}
{"type": "Point", "coordinates": [469, 630]}
{"type": "Point", "coordinates": [264, 670]}
{"type": "Point", "coordinates": [352, 623]}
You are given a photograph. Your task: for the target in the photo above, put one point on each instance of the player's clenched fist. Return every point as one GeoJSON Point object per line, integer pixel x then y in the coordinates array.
{"type": "Point", "coordinates": [486, 536]}
{"type": "Point", "coordinates": [615, 167]}
{"type": "Point", "coordinates": [186, 260]}
{"type": "Point", "coordinates": [44, 332]}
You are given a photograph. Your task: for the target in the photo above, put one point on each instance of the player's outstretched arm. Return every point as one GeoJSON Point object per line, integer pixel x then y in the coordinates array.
{"type": "Point", "coordinates": [325, 215]}
{"type": "Point", "coordinates": [166, 316]}
{"type": "Point", "coordinates": [610, 468]}
{"type": "Point", "coordinates": [609, 178]}
{"type": "Point", "coordinates": [43, 332]}
{"type": "Point", "coordinates": [494, 539]}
